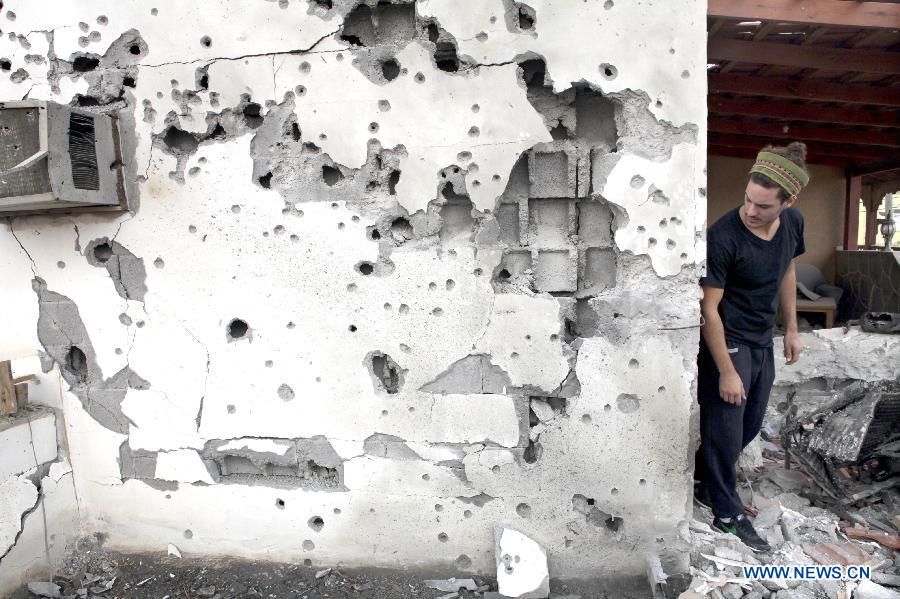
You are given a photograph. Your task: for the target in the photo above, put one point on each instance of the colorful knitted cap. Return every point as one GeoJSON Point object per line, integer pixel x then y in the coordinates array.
{"type": "Point", "coordinates": [789, 176]}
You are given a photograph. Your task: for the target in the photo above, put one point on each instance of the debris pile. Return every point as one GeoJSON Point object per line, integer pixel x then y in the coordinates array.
{"type": "Point", "coordinates": [821, 483]}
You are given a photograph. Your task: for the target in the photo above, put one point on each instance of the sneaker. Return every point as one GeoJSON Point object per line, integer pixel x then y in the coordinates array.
{"type": "Point", "coordinates": [743, 529]}
{"type": "Point", "coordinates": [701, 495]}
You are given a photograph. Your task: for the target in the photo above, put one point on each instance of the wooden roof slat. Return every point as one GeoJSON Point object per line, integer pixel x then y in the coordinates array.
{"type": "Point", "coordinates": [725, 68]}
{"type": "Point", "coordinates": [879, 166]}
{"type": "Point", "coordinates": [750, 154]}
{"type": "Point", "coordinates": [824, 12]}
{"type": "Point", "coordinates": [804, 112]}
{"type": "Point", "coordinates": [763, 31]}
{"type": "Point", "coordinates": [804, 132]}
{"type": "Point", "coordinates": [804, 89]}
{"type": "Point", "coordinates": [714, 28]}
{"type": "Point", "coordinates": [838, 59]}
{"type": "Point", "coordinates": [865, 36]}
{"type": "Point", "coordinates": [814, 35]}
{"type": "Point", "coordinates": [852, 152]}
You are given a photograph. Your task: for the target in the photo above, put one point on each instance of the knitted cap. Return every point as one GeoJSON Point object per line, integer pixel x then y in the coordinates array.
{"type": "Point", "coordinates": [788, 175]}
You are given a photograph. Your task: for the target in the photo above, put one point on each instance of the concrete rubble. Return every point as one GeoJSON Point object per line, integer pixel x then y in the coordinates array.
{"type": "Point", "coordinates": [837, 503]}
{"type": "Point", "coordinates": [521, 565]}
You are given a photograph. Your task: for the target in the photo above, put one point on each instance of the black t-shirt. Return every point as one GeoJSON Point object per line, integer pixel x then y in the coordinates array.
{"type": "Point", "coordinates": [750, 271]}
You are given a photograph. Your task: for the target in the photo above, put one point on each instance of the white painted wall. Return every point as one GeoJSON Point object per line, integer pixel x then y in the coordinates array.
{"type": "Point", "coordinates": [217, 246]}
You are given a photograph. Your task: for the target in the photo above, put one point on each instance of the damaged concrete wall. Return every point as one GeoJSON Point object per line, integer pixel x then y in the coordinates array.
{"type": "Point", "coordinates": [38, 507]}
{"type": "Point", "coordinates": [393, 273]}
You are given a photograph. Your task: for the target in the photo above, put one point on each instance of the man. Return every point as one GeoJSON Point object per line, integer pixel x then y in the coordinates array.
{"type": "Point", "coordinates": [750, 269]}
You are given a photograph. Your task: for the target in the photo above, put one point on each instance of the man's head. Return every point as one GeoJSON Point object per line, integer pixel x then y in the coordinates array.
{"type": "Point", "coordinates": [775, 180]}
{"type": "Point", "coordinates": [783, 169]}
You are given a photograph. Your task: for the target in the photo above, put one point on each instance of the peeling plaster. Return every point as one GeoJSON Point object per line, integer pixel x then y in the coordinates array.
{"type": "Point", "coordinates": [359, 225]}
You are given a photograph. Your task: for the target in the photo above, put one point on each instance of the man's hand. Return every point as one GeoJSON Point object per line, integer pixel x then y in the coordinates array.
{"type": "Point", "coordinates": [792, 347]}
{"type": "Point", "coordinates": [731, 389]}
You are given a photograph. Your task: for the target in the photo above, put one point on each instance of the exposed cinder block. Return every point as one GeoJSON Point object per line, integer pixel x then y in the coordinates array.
{"type": "Point", "coordinates": [551, 223]}
{"type": "Point", "coordinates": [555, 271]}
{"type": "Point", "coordinates": [515, 263]}
{"type": "Point", "coordinates": [551, 174]}
{"type": "Point", "coordinates": [508, 217]}
{"type": "Point", "coordinates": [598, 269]}
{"type": "Point", "coordinates": [595, 221]}
{"type": "Point", "coordinates": [25, 443]}
{"type": "Point", "coordinates": [458, 223]}
{"type": "Point", "coordinates": [582, 173]}
{"type": "Point", "coordinates": [518, 185]}
{"type": "Point", "coordinates": [395, 22]}
{"type": "Point", "coordinates": [595, 120]}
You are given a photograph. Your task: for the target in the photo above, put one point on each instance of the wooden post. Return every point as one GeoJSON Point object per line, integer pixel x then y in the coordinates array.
{"type": "Point", "coordinates": [8, 402]}
{"type": "Point", "coordinates": [871, 205]}
{"type": "Point", "coordinates": [851, 212]}
{"type": "Point", "coordinates": [21, 395]}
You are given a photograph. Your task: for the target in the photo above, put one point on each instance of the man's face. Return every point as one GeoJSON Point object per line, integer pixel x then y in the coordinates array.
{"type": "Point", "coordinates": [762, 206]}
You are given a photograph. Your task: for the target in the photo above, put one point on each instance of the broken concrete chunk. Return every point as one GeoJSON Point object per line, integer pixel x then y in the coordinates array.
{"type": "Point", "coordinates": [872, 590]}
{"type": "Point", "coordinates": [473, 374]}
{"type": "Point", "coordinates": [173, 551]}
{"type": "Point", "coordinates": [768, 517]}
{"type": "Point", "coordinates": [789, 480]}
{"type": "Point", "coordinates": [542, 409]}
{"type": "Point", "coordinates": [889, 580]}
{"type": "Point", "coordinates": [390, 447]}
{"type": "Point", "coordinates": [800, 592]}
{"type": "Point", "coordinates": [43, 589]}
{"type": "Point", "coordinates": [521, 565]}
{"type": "Point", "coordinates": [732, 591]}
{"type": "Point", "coordinates": [452, 584]}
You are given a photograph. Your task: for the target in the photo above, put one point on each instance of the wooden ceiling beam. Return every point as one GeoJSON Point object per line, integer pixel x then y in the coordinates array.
{"type": "Point", "coordinates": [822, 12]}
{"type": "Point", "coordinates": [879, 166]}
{"type": "Point", "coordinates": [812, 57]}
{"type": "Point", "coordinates": [764, 30]}
{"type": "Point", "coordinates": [804, 112]}
{"type": "Point", "coordinates": [814, 35]}
{"type": "Point", "coordinates": [804, 132]}
{"type": "Point", "coordinates": [849, 152]}
{"type": "Point", "coordinates": [749, 154]}
{"type": "Point", "coordinates": [804, 89]}
{"type": "Point", "coordinates": [716, 25]}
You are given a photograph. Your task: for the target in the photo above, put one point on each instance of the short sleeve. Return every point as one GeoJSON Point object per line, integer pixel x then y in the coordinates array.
{"type": "Point", "coordinates": [798, 233]}
{"type": "Point", "coordinates": [718, 260]}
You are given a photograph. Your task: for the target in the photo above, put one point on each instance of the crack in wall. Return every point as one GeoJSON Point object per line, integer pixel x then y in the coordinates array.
{"type": "Point", "coordinates": [21, 531]}
{"type": "Point", "coordinates": [209, 61]}
{"type": "Point", "coordinates": [9, 222]}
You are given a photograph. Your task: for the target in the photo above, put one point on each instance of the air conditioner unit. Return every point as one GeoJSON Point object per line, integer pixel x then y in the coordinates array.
{"type": "Point", "coordinates": [56, 158]}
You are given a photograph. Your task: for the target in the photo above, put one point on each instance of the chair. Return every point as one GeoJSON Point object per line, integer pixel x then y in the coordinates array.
{"type": "Point", "coordinates": [814, 295]}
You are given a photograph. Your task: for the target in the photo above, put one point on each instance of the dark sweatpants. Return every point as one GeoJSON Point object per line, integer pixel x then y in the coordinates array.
{"type": "Point", "coordinates": [725, 429]}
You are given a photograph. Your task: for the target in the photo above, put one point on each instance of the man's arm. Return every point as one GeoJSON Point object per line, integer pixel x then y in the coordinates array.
{"type": "Point", "coordinates": [731, 389]}
{"type": "Point", "coordinates": [787, 297]}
